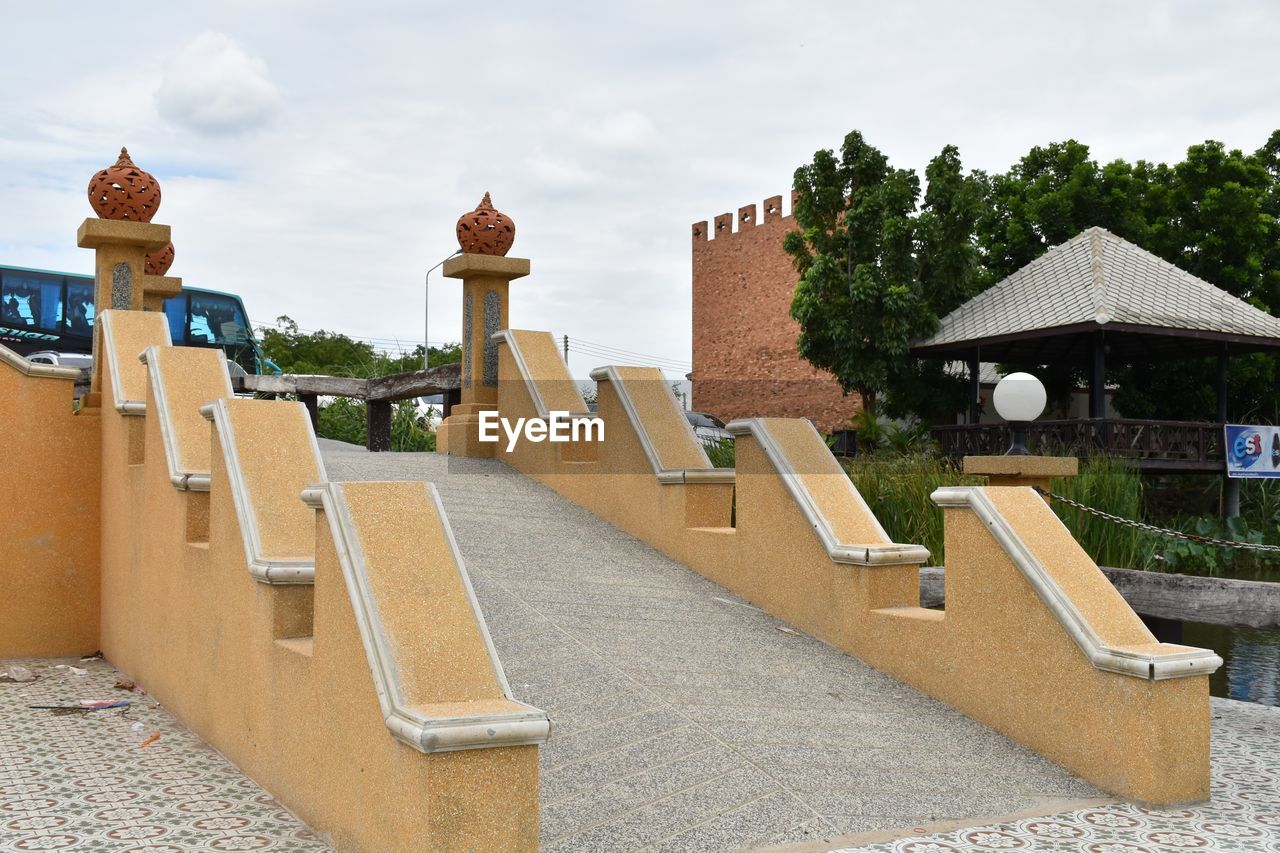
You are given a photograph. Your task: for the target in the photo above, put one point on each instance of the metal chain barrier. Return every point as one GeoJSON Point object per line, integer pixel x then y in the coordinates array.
{"type": "Point", "coordinates": [1151, 528]}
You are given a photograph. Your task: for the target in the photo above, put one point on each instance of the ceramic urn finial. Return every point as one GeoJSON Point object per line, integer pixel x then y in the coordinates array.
{"type": "Point", "coordinates": [159, 261]}
{"type": "Point", "coordinates": [485, 230]}
{"type": "Point", "coordinates": [124, 191]}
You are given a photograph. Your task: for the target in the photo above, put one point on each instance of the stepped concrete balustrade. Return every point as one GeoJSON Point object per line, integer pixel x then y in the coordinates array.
{"type": "Point", "coordinates": [49, 529]}
{"type": "Point", "coordinates": [323, 636]}
{"type": "Point", "coordinates": [1034, 640]}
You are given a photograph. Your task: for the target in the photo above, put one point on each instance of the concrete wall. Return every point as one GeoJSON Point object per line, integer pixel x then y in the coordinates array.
{"type": "Point", "coordinates": [1034, 642]}
{"type": "Point", "coordinates": [49, 524]}
{"type": "Point", "coordinates": [331, 647]}
{"type": "Point", "coordinates": [745, 362]}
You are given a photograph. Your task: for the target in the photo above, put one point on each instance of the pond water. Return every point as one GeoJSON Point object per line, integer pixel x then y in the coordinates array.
{"type": "Point", "coordinates": [1251, 661]}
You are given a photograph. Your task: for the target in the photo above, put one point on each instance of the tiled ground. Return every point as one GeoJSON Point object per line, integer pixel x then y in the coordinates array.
{"type": "Point", "coordinates": [1244, 814]}
{"type": "Point", "coordinates": [84, 782]}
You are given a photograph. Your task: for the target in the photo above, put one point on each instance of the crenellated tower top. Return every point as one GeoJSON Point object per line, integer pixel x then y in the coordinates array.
{"type": "Point", "coordinates": [748, 217]}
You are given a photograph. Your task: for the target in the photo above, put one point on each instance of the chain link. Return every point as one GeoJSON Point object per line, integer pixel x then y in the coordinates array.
{"type": "Point", "coordinates": [1151, 528]}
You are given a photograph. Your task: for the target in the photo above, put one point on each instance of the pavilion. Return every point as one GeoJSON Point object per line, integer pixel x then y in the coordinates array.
{"type": "Point", "coordinates": [1093, 299]}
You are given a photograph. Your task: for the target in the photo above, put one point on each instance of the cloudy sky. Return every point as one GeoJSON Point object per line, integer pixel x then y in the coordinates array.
{"type": "Point", "coordinates": [315, 156]}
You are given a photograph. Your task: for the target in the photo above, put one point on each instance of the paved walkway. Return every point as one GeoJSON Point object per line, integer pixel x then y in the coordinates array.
{"type": "Point", "coordinates": [682, 717]}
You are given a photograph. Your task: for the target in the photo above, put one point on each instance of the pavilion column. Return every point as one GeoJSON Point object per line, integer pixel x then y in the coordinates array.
{"type": "Point", "coordinates": [1098, 379]}
{"type": "Point", "coordinates": [1224, 364]}
{"type": "Point", "coordinates": [975, 388]}
{"type": "Point", "coordinates": [1230, 487]}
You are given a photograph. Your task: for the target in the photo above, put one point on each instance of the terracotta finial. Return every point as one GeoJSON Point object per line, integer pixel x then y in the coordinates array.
{"type": "Point", "coordinates": [124, 191]}
{"type": "Point", "coordinates": [485, 230]}
{"type": "Point", "coordinates": [159, 261]}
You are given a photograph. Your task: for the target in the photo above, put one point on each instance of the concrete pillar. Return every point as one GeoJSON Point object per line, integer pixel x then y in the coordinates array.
{"type": "Point", "coordinates": [121, 281]}
{"type": "Point", "coordinates": [486, 282]}
{"type": "Point", "coordinates": [1230, 487]}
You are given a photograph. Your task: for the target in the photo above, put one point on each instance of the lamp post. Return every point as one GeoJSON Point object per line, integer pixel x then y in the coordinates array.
{"type": "Point", "coordinates": [426, 312]}
{"type": "Point", "coordinates": [1019, 398]}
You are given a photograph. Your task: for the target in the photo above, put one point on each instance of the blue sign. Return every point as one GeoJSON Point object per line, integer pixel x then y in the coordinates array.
{"type": "Point", "coordinates": [1252, 451]}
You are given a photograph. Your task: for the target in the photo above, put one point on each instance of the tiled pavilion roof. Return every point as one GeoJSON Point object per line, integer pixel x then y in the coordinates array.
{"type": "Point", "coordinates": [1097, 282]}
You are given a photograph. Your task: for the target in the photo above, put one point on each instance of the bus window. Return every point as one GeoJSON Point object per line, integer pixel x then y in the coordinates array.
{"type": "Point", "coordinates": [31, 301]}
{"type": "Point", "coordinates": [79, 310]}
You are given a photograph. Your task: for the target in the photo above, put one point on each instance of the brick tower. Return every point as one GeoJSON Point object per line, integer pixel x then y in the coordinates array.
{"type": "Point", "coordinates": [745, 362]}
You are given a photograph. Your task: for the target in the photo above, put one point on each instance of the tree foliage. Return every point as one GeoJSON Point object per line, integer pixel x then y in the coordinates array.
{"type": "Point", "coordinates": [875, 274]}
{"type": "Point", "coordinates": [333, 354]}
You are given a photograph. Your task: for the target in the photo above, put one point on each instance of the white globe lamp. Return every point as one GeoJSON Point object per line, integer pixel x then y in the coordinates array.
{"type": "Point", "coordinates": [1019, 399]}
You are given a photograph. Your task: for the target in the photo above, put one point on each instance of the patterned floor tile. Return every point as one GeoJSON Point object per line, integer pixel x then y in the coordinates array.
{"type": "Point", "coordinates": [86, 781]}
{"type": "Point", "coordinates": [1244, 814]}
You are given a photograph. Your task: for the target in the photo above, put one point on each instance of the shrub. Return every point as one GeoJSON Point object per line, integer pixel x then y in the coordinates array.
{"type": "Point", "coordinates": [345, 419]}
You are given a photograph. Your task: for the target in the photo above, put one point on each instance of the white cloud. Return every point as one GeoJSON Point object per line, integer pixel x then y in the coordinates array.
{"type": "Point", "coordinates": [603, 137]}
{"type": "Point", "coordinates": [213, 86]}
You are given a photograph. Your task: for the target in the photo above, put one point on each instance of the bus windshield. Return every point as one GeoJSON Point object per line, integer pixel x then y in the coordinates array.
{"type": "Point", "coordinates": [206, 319]}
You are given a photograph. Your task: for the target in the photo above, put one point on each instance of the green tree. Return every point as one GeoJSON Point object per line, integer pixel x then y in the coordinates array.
{"type": "Point", "coordinates": [873, 272]}
{"type": "Point", "coordinates": [948, 267]}
{"type": "Point", "coordinates": [333, 354]}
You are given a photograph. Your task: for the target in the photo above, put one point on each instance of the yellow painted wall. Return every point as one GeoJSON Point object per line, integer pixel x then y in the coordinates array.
{"type": "Point", "coordinates": [48, 518]}
{"type": "Point", "coordinates": [277, 677]}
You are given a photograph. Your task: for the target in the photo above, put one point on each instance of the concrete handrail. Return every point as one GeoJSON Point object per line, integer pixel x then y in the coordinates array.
{"type": "Point", "coordinates": [1140, 663]}
{"type": "Point", "coordinates": [299, 569]}
{"type": "Point", "coordinates": [704, 472]}
{"type": "Point", "coordinates": [125, 334]}
{"type": "Point", "coordinates": [410, 723]}
{"type": "Point", "coordinates": [217, 384]}
{"type": "Point", "coordinates": [511, 339]}
{"type": "Point", "coordinates": [871, 554]}
{"type": "Point", "coordinates": [31, 368]}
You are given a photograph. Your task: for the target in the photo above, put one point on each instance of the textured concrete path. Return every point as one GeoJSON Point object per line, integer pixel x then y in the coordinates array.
{"type": "Point", "coordinates": [684, 719]}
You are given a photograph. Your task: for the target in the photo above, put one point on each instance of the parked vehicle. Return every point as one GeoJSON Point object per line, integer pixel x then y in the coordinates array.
{"type": "Point", "coordinates": [708, 429]}
{"type": "Point", "coordinates": [61, 359]}
{"type": "Point", "coordinates": [52, 313]}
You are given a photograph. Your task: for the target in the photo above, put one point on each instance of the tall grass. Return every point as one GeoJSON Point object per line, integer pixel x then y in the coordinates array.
{"type": "Point", "coordinates": [1114, 487]}
{"type": "Point", "coordinates": [897, 488]}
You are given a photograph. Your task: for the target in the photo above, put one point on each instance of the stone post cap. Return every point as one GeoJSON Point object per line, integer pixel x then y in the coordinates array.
{"type": "Point", "coordinates": [1023, 466]}
{"type": "Point", "coordinates": [163, 286]}
{"type": "Point", "coordinates": [466, 266]}
{"type": "Point", "coordinates": [95, 233]}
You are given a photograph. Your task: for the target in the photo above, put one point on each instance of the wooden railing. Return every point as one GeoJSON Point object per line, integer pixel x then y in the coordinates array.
{"type": "Point", "coordinates": [378, 393]}
{"type": "Point", "coordinates": [1152, 445]}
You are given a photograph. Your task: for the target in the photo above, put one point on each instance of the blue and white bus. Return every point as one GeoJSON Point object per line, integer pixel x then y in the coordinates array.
{"type": "Point", "coordinates": [42, 310]}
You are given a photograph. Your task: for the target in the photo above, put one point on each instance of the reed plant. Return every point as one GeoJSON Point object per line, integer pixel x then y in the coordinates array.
{"type": "Point", "coordinates": [1113, 486]}
{"type": "Point", "coordinates": [897, 487]}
